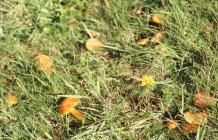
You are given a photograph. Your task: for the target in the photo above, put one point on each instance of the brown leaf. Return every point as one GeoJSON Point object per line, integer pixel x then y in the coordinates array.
{"type": "Point", "coordinates": [11, 99]}
{"type": "Point", "coordinates": [172, 124]}
{"type": "Point", "coordinates": [195, 118]}
{"type": "Point", "coordinates": [157, 37]}
{"type": "Point", "coordinates": [143, 42]}
{"type": "Point", "coordinates": [93, 44]}
{"type": "Point", "coordinates": [202, 100]}
{"type": "Point", "coordinates": [190, 128]}
{"type": "Point", "coordinates": [44, 63]}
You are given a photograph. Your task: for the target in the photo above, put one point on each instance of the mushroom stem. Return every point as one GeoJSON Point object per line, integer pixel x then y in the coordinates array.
{"type": "Point", "coordinates": [77, 114]}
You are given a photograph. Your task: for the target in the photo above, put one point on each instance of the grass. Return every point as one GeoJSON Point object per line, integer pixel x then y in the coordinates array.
{"type": "Point", "coordinates": [116, 107]}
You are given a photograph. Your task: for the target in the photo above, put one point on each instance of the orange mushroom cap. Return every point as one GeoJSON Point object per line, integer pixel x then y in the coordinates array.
{"type": "Point", "coordinates": [171, 124]}
{"type": "Point", "coordinates": [191, 128]}
{"type": "Point", "coordinates": [67, 105]}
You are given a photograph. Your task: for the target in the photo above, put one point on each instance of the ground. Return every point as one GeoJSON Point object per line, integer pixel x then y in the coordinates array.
{"type": "Point", "coordinates": [107, 82]}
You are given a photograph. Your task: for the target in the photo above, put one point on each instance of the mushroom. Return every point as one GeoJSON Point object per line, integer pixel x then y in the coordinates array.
{"type": "Point", "coordinates": [68, 106]}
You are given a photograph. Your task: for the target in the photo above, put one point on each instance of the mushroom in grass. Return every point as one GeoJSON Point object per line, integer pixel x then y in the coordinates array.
{"type": "Point", "coordinates": [172, 124]}
{"type": "Point", "coordinates": [68, 106]}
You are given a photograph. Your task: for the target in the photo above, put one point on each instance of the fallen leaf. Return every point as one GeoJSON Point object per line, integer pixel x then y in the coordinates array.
{"type": "Point", "coordinates": [195, 118]}
{"type": "Point", "coordinates": [44, 63]}
{"type": "Point", "coordinates": [67, 105]}
{"type": "Point", "coordinates": [11, 99]}
{"type": "Point", "coordinates": [79, 115]}
{"type": "Point", "coordinates": [157, 19]}
{"type": "Point", "coordinates": [190, 128]}
{"type": "Point", "coordinates": [143, 42]}
{"type": "Point", "coordinates": [93, 44]}
{"type": "Point", "coordinates": [172, 124]}
{"type": "Point", "coordinates": [157, 37]}
{"type": "Point", "coordinates": [202, 100]}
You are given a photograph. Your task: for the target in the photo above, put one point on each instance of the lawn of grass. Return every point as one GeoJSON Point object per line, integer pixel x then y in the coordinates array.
{"type": "Point", "coordinates": [114, 103]}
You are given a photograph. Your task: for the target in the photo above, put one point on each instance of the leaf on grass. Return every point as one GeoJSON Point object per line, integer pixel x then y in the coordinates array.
{"type": "Point", "coordinates": [67, 105]}
{"type": "Point", "coordinates": [172, 124]}
{"type": "Point", "coordinates": [190, 128]}
{"type": "Point", "coordinates": [143, 42]}
{"type": "Point", "coordinates": [44, 63]}
{"type": "Point", "coordinates": [77, 114]}
{"type": "Point", "coordinates": [202, 100]}
{"type": "Point", "coordinates": [93, 44]}
{"type": "Point", "coordinates": [11, 99]}
{"type": "Point", "coordinates": [195, 118]}
{"type": "Point", "coordinates": [157, 19]}
{"type": "Point", "coordinates": [157, 37]}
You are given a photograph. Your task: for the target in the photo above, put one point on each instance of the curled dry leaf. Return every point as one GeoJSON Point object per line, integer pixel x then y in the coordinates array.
{"type": "Point", "coordinates": [157, 37]}
{"type": "Point", "coordinates": [44, 63]}
{"type": "Point", "coordinates": [143, 42]}
{"type": "Point", "coordinates": [195, 118]}
{"type": "Point", "coordinates": [93, 44]}
{"type": "Point", "coordinates": [157, 19]}
{"type": "Point", "coordinates": [11, 99]}
{"type": "Point", "coordinates": [190, 128]}
{"type": "Point", "coordinates": [172, 124]}
{"type": "Point", "coordinates": [202, 100]}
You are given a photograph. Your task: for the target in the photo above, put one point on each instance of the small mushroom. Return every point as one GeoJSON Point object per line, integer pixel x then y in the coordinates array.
{"type": "Point", "coordinates": [68, 106]}
{"type": "Point", "coordinates": [172, 124]}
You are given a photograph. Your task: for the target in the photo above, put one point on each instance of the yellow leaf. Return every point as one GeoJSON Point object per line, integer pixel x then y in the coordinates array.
{"type": "Point", "coordinates": [172, 124]}
{"type": "Point", "coordinates": [93, 44]}
{"type": "Point", "coordinates": [44, 63]}
{"type": "Point", "coordinates": [11, 99]}
{"type": "Point", "coordinates": [202, 100]}
{"type": "Point", "coordinates": [195, 118]}
{"type": "Point", "coordinates": [143, 42]}
{"type": "Point", "coordinates": [79, 115]}
{"type": "Point", "coordinates": [157, 37]}
{"type": "Point", "coordinates": [157, 19]}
